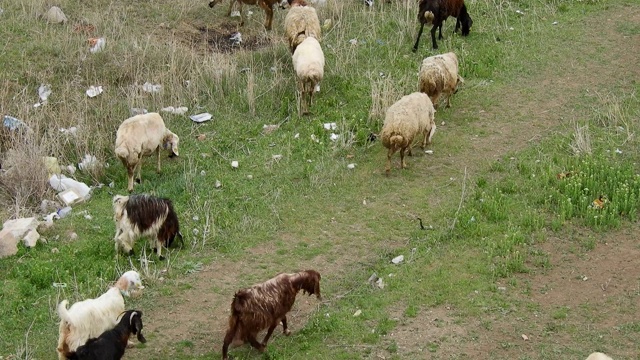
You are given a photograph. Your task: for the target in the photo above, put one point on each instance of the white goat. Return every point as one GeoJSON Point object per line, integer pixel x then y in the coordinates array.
{"type": "Point", "coordinates": [141, 136]}
{"type": "Point", "coordinates": [308, 62]}
{"type": "Point", "coordinates": [89, 318]}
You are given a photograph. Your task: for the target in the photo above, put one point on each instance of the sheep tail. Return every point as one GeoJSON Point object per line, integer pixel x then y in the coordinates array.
{"type": "Point", "coordinates": [428, 16]}
{"type": "Point", "coordinates": [63, 312]}
{"type": "Point", "coordinates": [396, 141]}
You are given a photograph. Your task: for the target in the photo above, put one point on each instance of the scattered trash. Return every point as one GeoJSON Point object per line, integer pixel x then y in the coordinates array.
{"type": "Point", "coordinates": [234, 164]}
{"type": "Point", "coordinates": [618, 151]}
{"type": "Point", "coordinates": [372, 137]}
{"type": "Point", "coordinates": [138, 111]}
{"type": "Point", "coordinates": [554, 23]}
{"type": "Point", "coordinates": [353, 41]}
{"type": "Point", "coordinates": [112, 184]}
{"type": "Point", "coordinates": [273, 69]}
{"type": "Point", "coordinates": [79, 190]}
{"type": "Point", "coordinates": [88, 217]}
{"type": "Point", "coordinates": [351, 166]}
{"type": "Point", "coordinates": [330, 126]}
{"type": "Point", "coordinates": [151, 88]}
{"type": "Point", "coordinates": [13, 124]}
{"type": "Point", "coordinates": [94, 91]}
{"type": "Point", "coordinates": [72, 130]}
{"type": "Point", "coordinates": [502, 288]}
{"type": "Point", "coordinates": [88, 162]}
{"type": "Point", "coordinates": [218, 184]}
{"type": "Point", "coordinates": [195, 218]}
{"type": "Point", "coordinates": [276, 157]}
{"type": "Point", "coordinates": [73, 236]}
{"type": "Point", "coordinates": [64, 212]}
{"type": "Point", "coordinates": [55, 16]}
{"type": "Point", "coordinates": [373, 278]}
{"type": "Point", "coordinates": [327, 24]}
{"type": "Point", "coordinates": [430, 152]}
{"type": "Point", "coordinates": [200, 118]}
{"type": "Point", "coordinates": [176, 110]}
{"type": "Point", "coordinates": [235, 13]}
{"type": "Point", "coordinates": [297, 135]}
{"type": "Point", "coordinates": [250, 177]}
{"type": "Point", "coordinates": [357, 313]}
{"type": "Point", "coordinates": [1, 11]}
{"type": "Point", "coordinates": [203, 173]}
{"type": "Point", "coordinates": [380, 284]}
{"type": "Point", "coordinates": [511, 28]}
{"type": "Point", "coordinates": [59, 285]}
{"type": "Point", "coordinates": [314, 138]}
{"type": "Point", "coordinates": [382, 75]}
{"type": "Point", "coordinates": [334, 137]}
{"type": "Point", "coordinates": [584, 278]}
{"type": "Point", "coordinates": [43, 93]}
{"type": "Point", "coordinates": [525, 337]}
{"type": "Point", "coordinates": [244, 70]}
{"type": "Point", "coordinates": [236, 39]}
{"type": "Point", "coordinates": [55, 251]}
{"type": "Point", "coordinates": [51, 164]}
{"type": "Point", "coordinates": [397, 259]}
{"type": "Point", "coordinates": [268, 129]}
{"type": "Point", "coordinates": [520, 12]}
{"type": "Point", "coordinates": [599, 202]}
{"type": "Point", "coordinates": [368, 2]}
{"type": "Point", "coordinates": [97, 44]}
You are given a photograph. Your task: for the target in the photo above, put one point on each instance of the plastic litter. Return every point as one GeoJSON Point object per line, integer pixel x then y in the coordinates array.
{"type": "Point", "coordinates": [151, 88]}
{"type": "Point", "coordinates": [13, 124]}
{"type": "Point", "coordinates": [138, 111]}
{"type": "Point", "coordinates": [334, 137]}
{"type": "Point", "coordinates": [267, 129]}
{"type": "Point", "coordinates": [88, 162]}
{"type": "Point", "coordinates": [71, 131]}
{"type": "Point", "coordinates": [276, 157]}
{"type": "Point", "coordinates": [430, 152]}
{"type": "Point", "coordinates": [353, 41]}
{"type": "Point", "coordinates": [200, 118]}
{"type": "Point", "coordinates": [51, 164]}
{"type": "Point", "coordinates": [234, 164]}
{"type": "Point", "coordinates": [64, 212]}
{"type": "Point", "coordinates": [351, 166]}
{"type": "Point", "coordinates": [398, 259]}
{"type": "Point", "coordinates": [63, 183]}
{"type": "Point", "coordinates": [97, 44]}
{"type": "Point", "coordinates": [43, 93]}
{"type": "Point", "coordinates": [175, 110]}
{"type": "Point", "coordinates": [357, 313]}
{"type": "Point", "coordinates": [330, 126]}
{"type": "Point", "coordinates": [94, 91]}
{"type": "Point", "coordinates": [236, 13]}
{"type": "Point", "coordinates": [236, 39]}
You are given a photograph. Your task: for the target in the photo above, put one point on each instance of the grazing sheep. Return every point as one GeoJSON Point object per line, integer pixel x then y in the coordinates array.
{"type": "Point", "coordinates": [110, 345]}
{"type": "Point", "coordinates": [264, 306]}
{"type": "Point", "coordinates": [439, 76]}
{"type": "Point", "coordinates": [144, 215]}
{"type": "Point", "coordinates": [266, 5]}
{"type": "Point", "coordinates": [300, 23]}
{"type": "Point", "coordinates": [408, 118]}
{"type": "Point", "coordinates": [308, 62]}
{"type": "Point", "coordinates": [90, 318]}
{"type": "Point", "coordinates": [598, 356]}
{"type": "Point", "coordinates": [140, 136]}
{"type": "Point", "coordinates": [436, 12]}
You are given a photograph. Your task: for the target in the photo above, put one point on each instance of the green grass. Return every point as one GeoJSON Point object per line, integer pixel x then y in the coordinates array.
{"type": "Point", "coordinates": [307, 209]}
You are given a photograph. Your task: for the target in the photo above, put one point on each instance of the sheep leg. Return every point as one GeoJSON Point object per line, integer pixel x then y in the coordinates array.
{"type": "Point", "coordinates": [284, 326]}
{"type": "Point", "coordinates": [433, 37]}
{"type": "Point", "coordinates": [268, 10]}
{"type": "Point", "coordinates": [402, 162]}
{"type": "Point", "coordinates": [228, 338]}
{"type": "Point", "coordinates": [415, 46]}
{"type": "Point", "coordinates": [158, 152]}
{"type": "Point", "coordinates": [130, 172]}
{"type": "Point", "coordinates": [255, 343]}
{"type": "Point", "coordinates": [230, 7]}
{"type": "Point", "coordinates": [390, 153]}
{"type": "Point", "coordinates": [139, 170]}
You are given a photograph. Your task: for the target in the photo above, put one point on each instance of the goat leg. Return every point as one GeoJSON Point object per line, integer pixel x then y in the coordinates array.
{"type": "Point", "coordinates": [284, 326]}
{"type": "Point", "coordinates": [433, 37]}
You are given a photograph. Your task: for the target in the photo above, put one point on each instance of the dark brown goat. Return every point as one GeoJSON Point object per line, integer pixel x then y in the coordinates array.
{"type": "Point", "coordinates": [264, 306]}
{"type": "Point", "coordinates": [266, 5]}
{"type": "Point", "coordinates": [110, 345]}
{"type": "Point", "coordinates": [436, 12]}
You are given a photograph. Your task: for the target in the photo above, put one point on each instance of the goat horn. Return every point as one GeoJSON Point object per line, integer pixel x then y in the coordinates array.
{"type": "Point", "coordinates": [132, 315]}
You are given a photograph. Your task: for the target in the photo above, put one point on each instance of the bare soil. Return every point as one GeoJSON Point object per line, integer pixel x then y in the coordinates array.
{"type": "Point", "coordinates": [602, 278]}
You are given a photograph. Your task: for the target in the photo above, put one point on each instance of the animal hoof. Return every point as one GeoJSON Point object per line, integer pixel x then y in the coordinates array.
{"type": "Point", "coordinates": [131, 253]}
{"type": "Point", "coordinates": [287, 332]}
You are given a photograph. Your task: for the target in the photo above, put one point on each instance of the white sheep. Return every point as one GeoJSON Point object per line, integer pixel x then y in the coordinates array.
{"type": "Point", "coordinates": [439, 76]}
{"type": "Point", "coordinates": [140, 136]}
{"type": "Point", "coordinates": [89, 318]}
{"type": "Point", "coordinates": [301, 22]}
{"type": "Point", "coordinates": [308, 62]}
{"type": "Point", "coordinates": [598, 356]}
{"type": "Point", "coordinates": [410, 117]}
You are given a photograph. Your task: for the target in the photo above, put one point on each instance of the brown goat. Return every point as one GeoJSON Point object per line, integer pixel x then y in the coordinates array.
{"type": "Point", "coordinates": [264, 306]}
{"type": "Point", "coordinates": [436, 12]}
{"type": "Point", "coordinates": [266, 5]}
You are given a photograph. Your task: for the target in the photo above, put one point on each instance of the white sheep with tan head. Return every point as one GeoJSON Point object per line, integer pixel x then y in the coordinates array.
{"type": "Point", "coordinates": [300, 23]}
{"type": "Point", "coordinates": [308, 62]}
{"type": "Point", "coordinates": [141, 136]}
{"type": "Point", "coordinates": [412, 117]}
{"type": "Point", "coordinates": [439, 76]}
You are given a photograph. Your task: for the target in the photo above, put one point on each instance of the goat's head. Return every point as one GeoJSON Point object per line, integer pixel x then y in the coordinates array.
{"type": "Point", "coordinates": [309, 282]}
{"type": "Point", "coordinates": [135, 323]}
{"type": "Point", "coordinates": [119, 204]}
{"type": "Point", "coordinates": [170, 142]}
{"type": "Point", "coordinates": [129, 281]}
{"type": "Point", "coordinates": [213, 3]}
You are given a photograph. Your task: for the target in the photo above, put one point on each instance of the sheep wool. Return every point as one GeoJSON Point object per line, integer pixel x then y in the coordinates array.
{"type": "Point", "coordinates": [410, 117]}
{"type": "Point", "coordinates": [141, 136]}
{"type": "Point", "coordinates": [439, 76]}
{"type": "Point", "coordinates": [598, 356]}
{"type": "Point", "coordinates": [308, 62]}
{"type": "Point", "coordinates": [300, 23]}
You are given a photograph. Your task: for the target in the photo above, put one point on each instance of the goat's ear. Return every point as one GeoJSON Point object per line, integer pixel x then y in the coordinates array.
{"type": "Point", "coordinates": [138, 328]}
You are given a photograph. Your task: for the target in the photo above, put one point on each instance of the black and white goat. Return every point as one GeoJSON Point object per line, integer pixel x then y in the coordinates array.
{"type": "Point", "coordinates": [144, 215]}
{"type": "Point", "coordinates": [111, 344]}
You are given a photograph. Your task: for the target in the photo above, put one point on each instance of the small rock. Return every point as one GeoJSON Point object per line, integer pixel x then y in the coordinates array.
{"type": "Point", "coordinates": [380, 284]}
{"type": "Point", "coordinates": [250, 177]}
{"type": "Point", "coordinates": [373, 278]}
{"type": "Point", "coordinates": [218, 184]}
{"type": "Point", "coordinates": [8, 244]}
{"type": "Point", "coordinates": [31, 239]}
{"type": "Point", "coordinates": [73, 236]}
{"type": "Point", "coordinates": [55, 15]}
{"type": "Point", "coordinates": [357, 313]}
{"type": "Point", "coordinates": [525, 337]}
{"type": "Point", "coordinates": [234, 164]}
{"type": "Point", "coordinates": [55, 251]}
{"type": "Point", "coordinates": [398, 259]}
{"type": "Point", "coordinates": [351, 166]}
